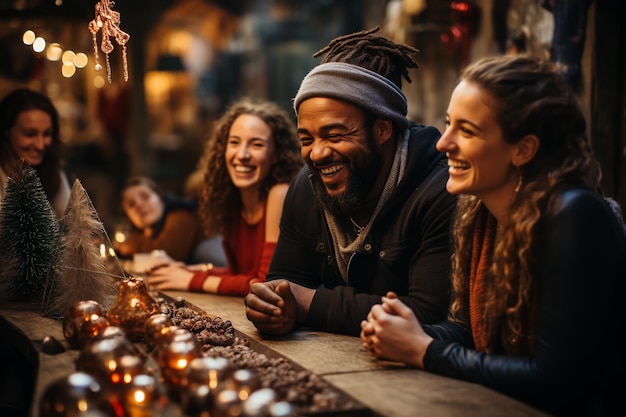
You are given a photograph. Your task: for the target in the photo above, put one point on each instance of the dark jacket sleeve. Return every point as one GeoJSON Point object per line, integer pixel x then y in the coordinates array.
{"type": "Point", "coordinates": [580, 272]}
{"type": "Point", "coordinates": [297, 255]}
{"type": "Point", "coordinates": [429, 270]}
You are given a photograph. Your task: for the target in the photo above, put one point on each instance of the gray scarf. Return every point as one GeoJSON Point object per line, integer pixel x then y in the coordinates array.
{"type": "Point", "coordinates": [343, 244]}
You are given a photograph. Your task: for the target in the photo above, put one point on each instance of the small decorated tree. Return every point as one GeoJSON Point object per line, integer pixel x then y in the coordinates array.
{"type": "Point", "coordinates": [29, 237]}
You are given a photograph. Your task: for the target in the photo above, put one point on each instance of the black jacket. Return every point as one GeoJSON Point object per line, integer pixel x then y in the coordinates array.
{"type": "Point", "coordinates": [577, 366]}
{"type": "Point", "coordinates": [407, 249]}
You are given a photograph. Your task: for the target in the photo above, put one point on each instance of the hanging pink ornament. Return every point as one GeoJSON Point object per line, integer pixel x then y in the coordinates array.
{"type": "Point", "coordinates": [108, 21]}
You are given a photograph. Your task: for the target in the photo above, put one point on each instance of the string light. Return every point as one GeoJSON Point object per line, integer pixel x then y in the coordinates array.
{"type": "Point", "coordinates": [108, 21]}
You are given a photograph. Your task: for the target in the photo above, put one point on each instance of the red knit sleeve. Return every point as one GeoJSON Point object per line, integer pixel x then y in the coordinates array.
{"type": "Point", "coordinates": [198, 278]}
{"type": "Point", "coordinates": [240, 284]}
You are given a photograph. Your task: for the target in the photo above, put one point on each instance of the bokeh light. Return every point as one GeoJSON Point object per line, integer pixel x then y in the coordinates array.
{"type": "Point", "coordinates": [68, 70]}
{"type": "Point", "coordinates": [98, 81]}
{"type": "Point", "coordinates": [54, 52]}
{"type": "Point", "coordinates": [39, 44]}
{"type": "Point", "coordinates": [28, 37]}
{"type": "Point", "coordinates": [81, 60]}
{"type": "Point", "coordinates": [68, 57]}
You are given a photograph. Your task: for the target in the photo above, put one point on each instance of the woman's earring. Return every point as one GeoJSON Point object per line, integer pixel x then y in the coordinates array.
{"type": "Point", "coordinates": [519, 183]}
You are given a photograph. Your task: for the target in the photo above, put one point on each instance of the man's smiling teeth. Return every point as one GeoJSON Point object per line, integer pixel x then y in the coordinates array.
{"type": "Point", "coordinates": [242, 168]}
{"type": "Point", "coordinates": [332, 169]}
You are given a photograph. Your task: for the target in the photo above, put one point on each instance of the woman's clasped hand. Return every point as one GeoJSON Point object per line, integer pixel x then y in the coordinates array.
{"type": "Point", "coordinates": [393, 332]}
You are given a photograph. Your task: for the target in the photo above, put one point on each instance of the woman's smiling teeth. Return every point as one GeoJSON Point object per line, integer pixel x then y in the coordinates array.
{"type": "Point", "coordinates": [243, 168]}
{"type": "Point", "coordinates": [456, 165]}
{"type": "Point", "coordinates": [332, 169]}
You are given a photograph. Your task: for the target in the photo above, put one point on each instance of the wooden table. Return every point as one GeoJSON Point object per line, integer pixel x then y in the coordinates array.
{"type": "Point", "coordinates": [388, 389]}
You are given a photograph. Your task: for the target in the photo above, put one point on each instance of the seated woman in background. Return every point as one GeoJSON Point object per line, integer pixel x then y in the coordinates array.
{"type": "Point", "coordinates": [158, 222]}
{"type": "Point", "coordinates": [540, 256]}
{"type": "Point", "coordinates": [249, 160]}
{"type": "Point", "coordinates": [29, 130]}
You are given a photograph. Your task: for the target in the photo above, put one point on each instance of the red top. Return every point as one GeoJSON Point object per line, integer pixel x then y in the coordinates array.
{"type": "Point", "coordinates": [248, 255]}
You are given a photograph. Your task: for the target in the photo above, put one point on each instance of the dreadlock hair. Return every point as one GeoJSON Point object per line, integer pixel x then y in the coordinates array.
{"type": "Point", "coordinates": [372, 52]}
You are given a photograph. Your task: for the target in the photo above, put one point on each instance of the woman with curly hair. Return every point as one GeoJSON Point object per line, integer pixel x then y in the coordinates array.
{"type": "Point", "coordinates": [540, 254]}
{"type": "Point", "coordinates": [249, 160]}
{"type": "Point", "coordinates": [29, 131]}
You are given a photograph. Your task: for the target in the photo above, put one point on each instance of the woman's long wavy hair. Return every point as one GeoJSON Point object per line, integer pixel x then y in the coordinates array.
{"type": "Point", "coordinates": [220, 202]}
{"type": "Point", "coordinates": [11, 106]}
{"type": "Point", "coordinates": [529, 98]}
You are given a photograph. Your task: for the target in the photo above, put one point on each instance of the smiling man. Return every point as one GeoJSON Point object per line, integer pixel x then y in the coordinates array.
{"type": "Point", "coordinates": [370, 212]}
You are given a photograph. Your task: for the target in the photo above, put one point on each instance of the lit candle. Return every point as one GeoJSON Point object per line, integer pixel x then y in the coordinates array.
{"type": "Point", "coordinates": [171, 334]}
{"type": "Point", "coordinates": [207, 371]}
{"type": "Point", "coordinates": [244, 382]}
{"type": "Point", "coordinates": [173, 361]}
{"type": "Point", "coordinates": [143, 397]}
{"type": "Point", "coordinates": [197, 401]}
{"type": "Point", "coordinates": [259, 402]}
{"type": "Point", "coordinates": [227, 404]}
{"type": "Point", "coordinates": [200, 381]}
{"type": "Point", "coordinates": [127, 367]}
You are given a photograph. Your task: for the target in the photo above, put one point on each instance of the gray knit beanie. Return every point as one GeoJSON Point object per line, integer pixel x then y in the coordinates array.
{"type": "Point", "coordinates": [358, 86]}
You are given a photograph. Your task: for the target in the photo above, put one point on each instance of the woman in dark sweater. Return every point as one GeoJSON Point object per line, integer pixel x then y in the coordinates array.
{"type": "Point", "coordinates": [540, 255]}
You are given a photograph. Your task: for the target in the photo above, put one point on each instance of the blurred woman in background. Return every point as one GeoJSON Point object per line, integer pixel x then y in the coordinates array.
{"type": "Point", "coordinates": [158, 222]}
{"type": "Point", "coordinates": [29, 130]}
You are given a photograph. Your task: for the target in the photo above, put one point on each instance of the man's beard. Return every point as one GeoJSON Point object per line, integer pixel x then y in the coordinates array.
{"type": "Point", "coordinates": [363, 174]}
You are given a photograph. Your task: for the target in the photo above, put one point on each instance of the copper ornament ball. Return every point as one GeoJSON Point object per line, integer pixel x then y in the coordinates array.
{"type": "Point", "coordinates": [78, 394]}
{"type": "Point", "coordinates": [101, 357]}
{"type": "Point", "coordinates": [153, 326]}
{"type": "Point", "coordinates": [81, 320]}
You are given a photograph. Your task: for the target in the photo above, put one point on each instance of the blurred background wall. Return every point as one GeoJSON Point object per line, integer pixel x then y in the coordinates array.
{"type": "Point", "coordinates": [188, 59]}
